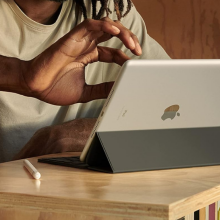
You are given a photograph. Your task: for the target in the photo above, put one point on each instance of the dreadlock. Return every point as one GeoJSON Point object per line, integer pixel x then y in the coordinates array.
{"type": "Point", "coordinates": [82, 7]}
{"type": "Point", "coordinates": [119, 8]}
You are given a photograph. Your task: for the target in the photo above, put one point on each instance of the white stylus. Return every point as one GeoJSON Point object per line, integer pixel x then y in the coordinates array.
{"type": "Point", "coordinates": [33, 171]}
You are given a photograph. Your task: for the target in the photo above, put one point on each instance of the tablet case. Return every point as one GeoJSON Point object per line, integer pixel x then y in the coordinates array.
{"type": "Point", "coordinates": [128, 151]}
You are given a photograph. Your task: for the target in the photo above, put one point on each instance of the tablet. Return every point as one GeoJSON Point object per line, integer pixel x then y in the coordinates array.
{"type": "Point", "coordinates": [161, 94]}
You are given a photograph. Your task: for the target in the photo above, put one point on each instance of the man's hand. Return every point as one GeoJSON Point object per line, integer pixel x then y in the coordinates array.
{"type": "Point", "coordinates": [57, 76]}
{"type": "Point", "coordinates": [68, 137]}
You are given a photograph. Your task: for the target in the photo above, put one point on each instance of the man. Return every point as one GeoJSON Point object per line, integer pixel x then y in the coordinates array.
{"type": "Point", "coordinates": [44, 65]}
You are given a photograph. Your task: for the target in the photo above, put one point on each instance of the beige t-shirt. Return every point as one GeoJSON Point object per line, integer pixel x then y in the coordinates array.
{"type": "Point", "coordinates": [23, 38]}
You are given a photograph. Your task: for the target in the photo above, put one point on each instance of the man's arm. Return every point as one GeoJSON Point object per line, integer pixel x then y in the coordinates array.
{"type": "Point", "coordinates": [57, 76]}
{"type": "Point", "coordinates": [10, 75]}
{"type": "Point", "coordinates": [70, 136]}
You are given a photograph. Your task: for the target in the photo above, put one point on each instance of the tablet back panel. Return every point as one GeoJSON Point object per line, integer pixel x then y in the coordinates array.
{"type": "Point", "coordinates": [146, 88]}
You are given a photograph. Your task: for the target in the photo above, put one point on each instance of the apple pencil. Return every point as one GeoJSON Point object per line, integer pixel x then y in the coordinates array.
{"type": "Point", "coordinates": [33, 171]}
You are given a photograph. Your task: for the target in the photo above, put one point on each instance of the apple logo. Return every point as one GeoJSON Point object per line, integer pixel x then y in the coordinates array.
{"type": "Point", "coordinates": [171, 112]}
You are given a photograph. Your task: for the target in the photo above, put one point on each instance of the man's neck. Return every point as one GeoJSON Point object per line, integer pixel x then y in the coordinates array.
{"type": "Point", "coordinates": [41, 11]}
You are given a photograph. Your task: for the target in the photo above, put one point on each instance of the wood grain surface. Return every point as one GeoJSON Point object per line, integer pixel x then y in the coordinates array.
{"type": "Point", "coordinates": [85, 194]}
{"type": "Point", "coordinates": [187, 29]}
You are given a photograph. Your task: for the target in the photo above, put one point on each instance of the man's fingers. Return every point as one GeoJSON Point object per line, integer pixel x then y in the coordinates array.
{"type": "Point", "coordinates": [137, 51]}
{"type": "Point", "coordinates": [96, 35]}
{"type": "Point", "coordinates": [103, 38]}
{"type": "Point", "coordinates": [127, 37]}
{"type": "Point", "coordinates": [93, 92]}
{"type": "Point", "coordinates": [111, 55]}
{"type": "Point", "coordinates": [109, 27]}
{"type": "Point", "coordinates": [89, 25]}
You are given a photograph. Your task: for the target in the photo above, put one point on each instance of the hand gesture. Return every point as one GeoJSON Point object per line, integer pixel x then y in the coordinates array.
{"type": "Point", "coordinates": [57, 76]}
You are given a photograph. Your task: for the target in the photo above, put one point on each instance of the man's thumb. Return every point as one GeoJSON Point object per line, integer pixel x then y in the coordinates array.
{"type": "Point", "coordinates": [93, 92]}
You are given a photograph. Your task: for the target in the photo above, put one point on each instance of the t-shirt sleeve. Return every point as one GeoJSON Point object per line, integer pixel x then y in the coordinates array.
{"type": "Point", "coordinates": [134, 22]}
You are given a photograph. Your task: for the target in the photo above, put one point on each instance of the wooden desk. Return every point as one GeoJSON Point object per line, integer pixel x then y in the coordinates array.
{"type": "Point", "coordinates": [68, 193]}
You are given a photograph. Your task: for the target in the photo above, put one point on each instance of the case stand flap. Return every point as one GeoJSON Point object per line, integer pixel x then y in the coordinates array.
{"type": "Point", "coordinates": [96, 157]}
{"type": "Point", "coordinates": [129, 151]}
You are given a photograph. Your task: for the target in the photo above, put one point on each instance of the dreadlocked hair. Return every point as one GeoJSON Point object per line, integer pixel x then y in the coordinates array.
{"type": "Point", "coordinates": [119, 8]}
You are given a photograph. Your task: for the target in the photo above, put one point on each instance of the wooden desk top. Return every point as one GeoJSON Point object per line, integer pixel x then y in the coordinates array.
{"type": "Point", "coordinates": [166, 194]}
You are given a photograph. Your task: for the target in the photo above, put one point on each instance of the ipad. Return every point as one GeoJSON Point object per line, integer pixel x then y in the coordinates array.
{"type": "Point", "coordinates": [161, 94]}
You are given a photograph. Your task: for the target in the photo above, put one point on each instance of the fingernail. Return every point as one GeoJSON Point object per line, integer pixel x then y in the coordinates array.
{"type": "Point", "coordinates": [138, 48]}
{"type": "Point", "coordinates": [115, 29]}
{"type": "Point", "coordinates": [132, 44]}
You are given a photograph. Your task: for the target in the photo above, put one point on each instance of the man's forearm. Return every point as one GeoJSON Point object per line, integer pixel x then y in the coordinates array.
{"type": "Point", "coordinates": [78, 130]}
{"type": "Point", "coordinates": [11, 75]}
{"type": "Point", "coordinates": [68, 137]}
